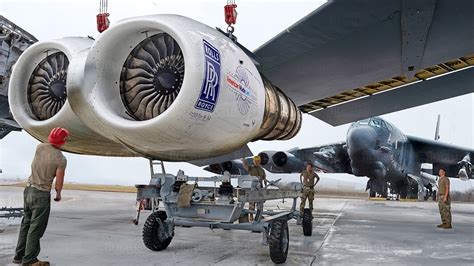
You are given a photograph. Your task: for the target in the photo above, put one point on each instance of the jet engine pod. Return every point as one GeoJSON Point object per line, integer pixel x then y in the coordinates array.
{"type": "Point", "coordinates": [171, 88]}
{"type": "Point", "coordinates": [280, 162]}
{"type": "Point", "coordinates": [287, 162]}
{"type": "Point", "coordinates": [265, 157]}
{"type": "Point", "coordinates": [39, 99]}
{"type": "Point", "coordinates": [234, 167]}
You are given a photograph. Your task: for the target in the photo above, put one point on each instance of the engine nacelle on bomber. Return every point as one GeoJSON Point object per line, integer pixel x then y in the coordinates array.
{"type": "Point", "coordinates": [164, 87]}
{"type": "Point", "coordinates": [38, 96]}
{"type": "Point", "coordinates": [234, 167]}
{"type": "Point", "coordinates": [281, 162]}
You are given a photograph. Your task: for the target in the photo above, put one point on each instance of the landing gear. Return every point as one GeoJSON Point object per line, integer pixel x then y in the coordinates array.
{"type": "Point", "coordinates": [403, 190]}
{"type": "Point", "coordinates": [372, 193]}
{"type": "Point", "coordinates": [377, 187]}
{"type": "Point", "coordinates": [412, 190]}
{"type": "Point", "coordinates": [430, 192]}
{"type": "Point", "coordinates": [307, 222]}
{"type": "Point", "coordinates": [383, 193]}
{"type": "Point", "coordinates": [278, 241]}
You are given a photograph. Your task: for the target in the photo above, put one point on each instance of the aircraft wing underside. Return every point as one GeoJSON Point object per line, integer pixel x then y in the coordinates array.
{"type": "Point", "coordinates": [347, 55]}
{"type": "Point", "coordinates": [13, 41]}
{"type": "Point", "coordinates": [443, 155]}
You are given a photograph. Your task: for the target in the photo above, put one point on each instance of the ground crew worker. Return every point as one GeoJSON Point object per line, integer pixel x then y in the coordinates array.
{"type": "Point", "coordinates": [444, 200]}
{"type": "Point", "coordinates": [48, 163]}
{"type": "Point", "coordinates": [307, 180]}
{"type": "Point", "coordinates": [257, 171]}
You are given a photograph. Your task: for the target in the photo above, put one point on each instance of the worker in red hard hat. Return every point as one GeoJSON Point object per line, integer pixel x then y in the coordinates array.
{"type": "Point", "coordinates": [49, 163]}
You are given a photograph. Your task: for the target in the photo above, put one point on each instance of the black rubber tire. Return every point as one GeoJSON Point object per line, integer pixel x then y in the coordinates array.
{"type": "Point", "coordinates": [372, 193]}
{"type": "Point", "coordinates": [426, 197]}
{"type": "Point", "coordinates": [279, 241]}
{"type": "Point", "coordinates": [307, 222]}
{"type": "Point", "coordinates": [403, 191]}
{"type": "Point", "coordinates": [150, 232]}
{"type": "Point", "coordinates": [384, 193]}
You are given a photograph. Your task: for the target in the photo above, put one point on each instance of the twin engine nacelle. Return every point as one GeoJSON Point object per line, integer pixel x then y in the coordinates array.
{"type": "Point", "coordinates": [281, 162]}
{"type": "Point", "coordinates": [234, 167]}
{"type": "Point", "coordinates": [164, 87]}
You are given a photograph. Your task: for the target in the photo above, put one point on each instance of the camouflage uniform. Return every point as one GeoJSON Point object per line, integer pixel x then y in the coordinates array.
{"type": "Point", "coordinates": [308, 189]}
{"type": "Point", "coordinates": [444, 207]}
{"type": "Point", "coordinates": [260, 173]}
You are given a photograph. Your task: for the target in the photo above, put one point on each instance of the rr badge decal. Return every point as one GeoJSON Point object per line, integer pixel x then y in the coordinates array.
{"type": "Point", "coordinates": [211, 84]}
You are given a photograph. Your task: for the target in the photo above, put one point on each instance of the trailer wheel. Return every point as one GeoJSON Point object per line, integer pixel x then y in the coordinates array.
{"type": "Point", "coordinates": [279, 241]}
{"type": "Point", "coordinates": [307, 222]}
{"type": "Point", "coordinates": [151, 232]}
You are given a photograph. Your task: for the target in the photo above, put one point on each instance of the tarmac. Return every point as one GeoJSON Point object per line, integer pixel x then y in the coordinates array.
{"type": "Point", "coordinates": [95, 228]}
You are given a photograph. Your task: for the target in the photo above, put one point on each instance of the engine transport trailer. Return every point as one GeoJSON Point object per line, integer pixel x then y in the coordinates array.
{"type": "Point", "coordinates": [178, 200]}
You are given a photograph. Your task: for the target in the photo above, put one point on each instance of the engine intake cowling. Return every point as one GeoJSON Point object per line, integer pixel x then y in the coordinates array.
{"type": "Point", "coordinates": [234, 167]}
{"type": "Point", "coordinates": [39, 101]}
{"type": "Point", "coordinates": [281, 162]}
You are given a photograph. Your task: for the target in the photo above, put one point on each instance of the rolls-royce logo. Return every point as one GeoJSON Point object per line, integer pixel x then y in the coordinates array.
{"type": "Point", "coordinates": [211, 84]}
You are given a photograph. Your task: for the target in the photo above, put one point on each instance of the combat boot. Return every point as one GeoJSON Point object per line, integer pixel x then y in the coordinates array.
{"type": "Point", "coordinates": [38, 263]}
{"type": "Point", "coordinates": [447, 226]}
{"type": "Point", "coordinates": [440, 225]}
{"type": "Point", "coordinates": [16, 260]}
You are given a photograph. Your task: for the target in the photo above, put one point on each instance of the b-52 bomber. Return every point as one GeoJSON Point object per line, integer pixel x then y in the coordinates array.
{"type": "Point", "coordinates": [378, 150]}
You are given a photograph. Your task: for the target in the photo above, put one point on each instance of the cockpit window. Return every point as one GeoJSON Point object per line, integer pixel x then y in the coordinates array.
{"type": "Point", "coordinates": [380, 123]}
{"type": "Point", "coordinates": [375, 122]}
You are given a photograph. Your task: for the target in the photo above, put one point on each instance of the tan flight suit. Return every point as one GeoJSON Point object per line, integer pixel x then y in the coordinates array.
{"type": "Point", "coordinates": [37, 200]}
{"type": "Point", "coordinates": [260, 173]}
{"type": "Point", "coordinates": [444, 207]}
{"type": "Point", "coordinates": [308, 189]}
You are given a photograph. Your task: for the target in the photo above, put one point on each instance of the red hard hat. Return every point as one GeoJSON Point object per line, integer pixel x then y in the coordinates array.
{"type": "Point", "coordinates": [58, 136]}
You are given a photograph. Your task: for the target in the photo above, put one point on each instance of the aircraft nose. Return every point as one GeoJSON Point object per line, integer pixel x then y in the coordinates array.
{"type": "Point", "coordinates": [361, 141]}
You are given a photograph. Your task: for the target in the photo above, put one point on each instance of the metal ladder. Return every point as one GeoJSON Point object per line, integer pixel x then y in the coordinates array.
{"type": "Point", "coordinates": [153, 163]}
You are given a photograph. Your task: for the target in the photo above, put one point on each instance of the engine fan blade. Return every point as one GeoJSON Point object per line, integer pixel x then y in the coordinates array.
{"type": "Point", "coordinates": [47, 86]}
{"type": "Point", "coordinates": [152, 77]}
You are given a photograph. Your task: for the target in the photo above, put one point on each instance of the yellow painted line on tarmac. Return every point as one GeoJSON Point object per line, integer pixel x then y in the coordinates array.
{"type": "Point", "coordinates": [377, 198]}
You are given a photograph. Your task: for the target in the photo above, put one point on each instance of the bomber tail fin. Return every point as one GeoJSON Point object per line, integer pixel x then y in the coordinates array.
{"type": "Point", "coordinates": [437, 128]}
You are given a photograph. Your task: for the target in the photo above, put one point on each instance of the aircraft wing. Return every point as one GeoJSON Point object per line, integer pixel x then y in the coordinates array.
{"type": "Point", "coordinates": [7, 126]}
{"type": "Point", "coordinates": [441, 154]}
{"type": "Point", "coordinates": [13, 41]}
{"type": "Point", "coordinates": [350, 60]}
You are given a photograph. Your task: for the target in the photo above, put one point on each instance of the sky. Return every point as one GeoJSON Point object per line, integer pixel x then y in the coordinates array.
{"type": "Point", "coordinates": [257, 22]}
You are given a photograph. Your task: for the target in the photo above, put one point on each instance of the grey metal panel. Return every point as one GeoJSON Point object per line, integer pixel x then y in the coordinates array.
{"type": "Point", "coordinates": [4, 107]}
{"type": "Point", "coordinates": [348, 44]}
{"type": "Point", "coordinates": [431, 151]}
{"type": "Point", "coordinates": [416, 21]}
{"type": "Point", "coordinates": [423, 92]}
{"type": "Point", "coordinates": [9, 123]}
